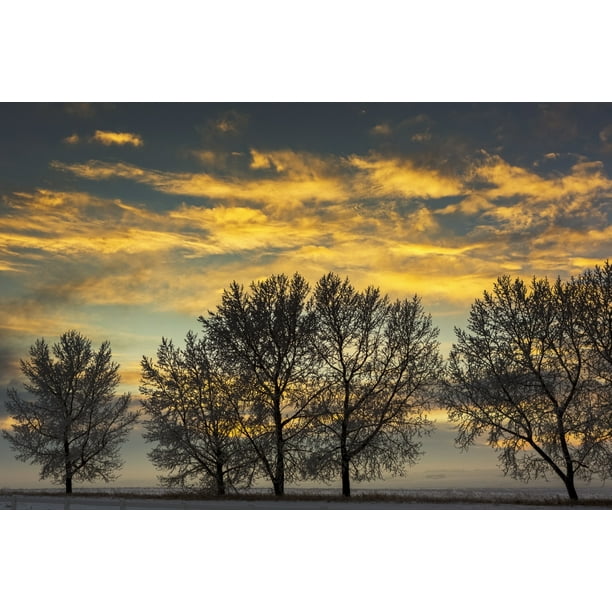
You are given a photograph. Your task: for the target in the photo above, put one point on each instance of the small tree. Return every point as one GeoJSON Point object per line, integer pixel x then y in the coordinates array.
{"type": "Point", "coordinates": [265, 335]}
{"type": "Point", "coordinates": [520, 375]}
{"type": "Point", "coordinates": [189, 402]}
{"type": "Point", "coordinates": [75, 425]}
{"type": "Point", "coordinates": [379, 361]}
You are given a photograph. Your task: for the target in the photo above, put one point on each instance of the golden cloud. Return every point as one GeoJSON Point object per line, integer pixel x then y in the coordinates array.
{"type": "Point", "coordinates": [6, 422]}
{"type": "Point", "coordinates": [216, 159]}
{"type": "Point", "coordinates": [392, 177]}
{"type": "Point", "coordinates": [470, 205]}
{"type": "Point", "coordinates": [300, 177]}
{"type": "Point", "coordinates": [291, 189]}
{"type": "Point", "coordinates": [507, 181]}
{"type": "Point", "coordinates": [117, 138]}
{"type": "Point", "coordinates": [72, 139]}
{"type": "Point", "coordinates": [299, 211]}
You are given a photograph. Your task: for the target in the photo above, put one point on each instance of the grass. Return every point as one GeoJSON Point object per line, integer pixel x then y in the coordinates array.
{"type": "Point", "coordinates": [420, 496]}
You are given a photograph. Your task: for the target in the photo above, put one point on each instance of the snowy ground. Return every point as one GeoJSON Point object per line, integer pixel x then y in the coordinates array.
{"type": "Point", "coordinates": [326, 499]}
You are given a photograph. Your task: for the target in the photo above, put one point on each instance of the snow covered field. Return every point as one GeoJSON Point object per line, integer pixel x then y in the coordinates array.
{"type": "Point", "coordinates": [372, 560]}
{"type": "Point", "coordinates": [312, 499]}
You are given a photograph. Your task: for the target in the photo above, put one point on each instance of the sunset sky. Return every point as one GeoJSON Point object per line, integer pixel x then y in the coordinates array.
{"type": "Point", "coordinates": [126, 221]}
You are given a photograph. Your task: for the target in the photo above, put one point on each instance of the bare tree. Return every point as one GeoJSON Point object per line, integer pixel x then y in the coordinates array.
{"type": "Point", "coordinates": [593, 292]}
{"type": "Point", "coordinates": [188, 399]}
{"type": "Point", "coordinates": [75, 425]}
{"type": "Point", "coordinates": [265, 334]}
{"type": "Point", "coordinates": [378, 360]}
{"type": "Point", "coordinates": [520, 375]}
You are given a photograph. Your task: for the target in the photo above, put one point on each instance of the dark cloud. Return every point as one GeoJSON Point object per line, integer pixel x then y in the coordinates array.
{"type": "Point", "coordinates": [227, 127]}
{"type": "Point", "coordinates": [10, 354]}
{"type": "Point", "coordinates": [605, 136]}
{"type": "Point", "coordinates": [86, 110]}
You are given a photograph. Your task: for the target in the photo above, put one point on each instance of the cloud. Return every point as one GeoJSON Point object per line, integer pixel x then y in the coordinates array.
{"type": "Point", "coordinates": [138, 256]}
{"type": "Point", "coordinates": [230, 121]}
{"type": "Point", "coordinates": [605, 137]}
{"type": "Point", "coordinates": [117, 138]}
{"type": "Point", "coordinates": [380, 219]}
{"type": "Point", "coordinates": [227, 126]}
{"type": "Point", "coordinates": [421, 137]}
{"type": "Point", "coordinates": [298, 182]}
{"type": "Point", "coordinates": [472, 204]}
{"type": "Point", "coordinates": [499, 179]}
{"type": "Point", "coordinates": [80, 109]}
{"type": "Point", "coordinates": [417, 128]}
{"type": "Point", "coordinates": [606, 134]}
{"type": "Point", "coordinates": [72, 139]}
{"type": "Point", "coordinates": [297, 178]}
{"type": "Point", "coordinates": [381, 129]}
{"type": "Point", "coordinates": [396, 177]}
{"type": "Point", "coordinates": [218, 160]}
{"type": "Point", "coordinates": [6, 422]}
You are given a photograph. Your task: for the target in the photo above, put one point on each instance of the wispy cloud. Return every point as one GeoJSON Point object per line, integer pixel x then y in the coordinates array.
{"type": "Point", "coordinates": [379, 219]}
{"type": "Point", "coordinates": [226, 126]}
{"type": "Point", "coordinates": [117, 138]}
{"type": "Point", "coordinates": [298, 177]}
{"type": "Point", "coordinates": [396, 177]}
{"type": "Point", "coordinates": [72, 139]}
{"type": "Point", "coordinates": [80, 109]}
{"type": "Point", "coordinates": [381, 129]}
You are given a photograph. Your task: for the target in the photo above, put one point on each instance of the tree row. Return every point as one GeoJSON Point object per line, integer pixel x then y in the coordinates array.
{"type": "Point", "coordinates": [286, 382]}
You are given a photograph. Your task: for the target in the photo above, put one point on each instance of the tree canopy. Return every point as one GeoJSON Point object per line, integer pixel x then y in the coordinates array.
{"type": "Point", "coordinates": [264, 334]}
{"type": "Point", "coordinates": [75, 424]}
{"type": "Point", "coordinates": [522, 375]}
{"type": "Point", "coordinates": [378, 360]}
{"type": "Point", "coordinates": [191, 418]}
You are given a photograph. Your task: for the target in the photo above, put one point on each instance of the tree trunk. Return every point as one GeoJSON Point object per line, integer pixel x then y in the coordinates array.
{"type": "Point", "coordinates": [344, 457]}
{"type": "Point", "coordinates": [346, 478]}
{"type": "Point", "coordinates": [279, 487]}
{"type": "Point", "coordinates": [279, 472]}
{"type": "Point", "coordinates": [571, 489]}
{"type": "Point", "coordinates": [68, 466]}
{"type": "Point", "coordinates": [220, 481]}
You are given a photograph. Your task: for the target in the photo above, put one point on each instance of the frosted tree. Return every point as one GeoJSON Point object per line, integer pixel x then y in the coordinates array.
{"type": "Point", "coordinates": [593, 293]}
{"type": "Point", "coordinates": [521, 376]}
{"type": "Point", "coordinates": [74, 424]}
{"type": "Point", "coordinates": [189, 399]}
{"type": "Point", "coordinates": [265, 334]}
{"type": "Point", "coordinates": [379, 361]}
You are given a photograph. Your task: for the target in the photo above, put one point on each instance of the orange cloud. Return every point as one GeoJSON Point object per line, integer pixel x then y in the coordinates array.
{"type": "Point", "coordinates": [117, 138]}
{"type": "Point", "coordinates": [72, 139]}
{"type": "Point", "coordinates": [396, 177]}
{"type": "Point", "coordinates": [311, 213]}
{"type": "Point", "coordinates": [507, 181]}
{"type": "Point", "coordinates": [300, 177]}
{"type": "Point", "coordinates": [6, 422]}
{"type": "Point", "coordinates": [289, 189]}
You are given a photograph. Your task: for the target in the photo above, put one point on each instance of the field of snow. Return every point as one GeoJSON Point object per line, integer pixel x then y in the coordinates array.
{"type": "Point", "coordinates": [304, 499]}
{"type": "Point", "coordinates": [372, 560]}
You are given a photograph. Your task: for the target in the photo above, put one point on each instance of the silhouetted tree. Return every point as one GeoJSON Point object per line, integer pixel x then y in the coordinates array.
{"type": "Point", "coordinates": [593, 292]}
{"type": "Point", "coordinates": [75, 425]}
{"type": "Point", "coordinates": [378, 360]}
{"type": "Point", "coordinates": [187, 397]}
{"type": "Point", "coordinates": [264, 334]}
{"type": "Point", "coordinates": [520, 375]}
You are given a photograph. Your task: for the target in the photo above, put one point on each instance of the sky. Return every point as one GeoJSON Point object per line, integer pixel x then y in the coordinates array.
{"type": "Point", "coordinates": [126, 221]}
